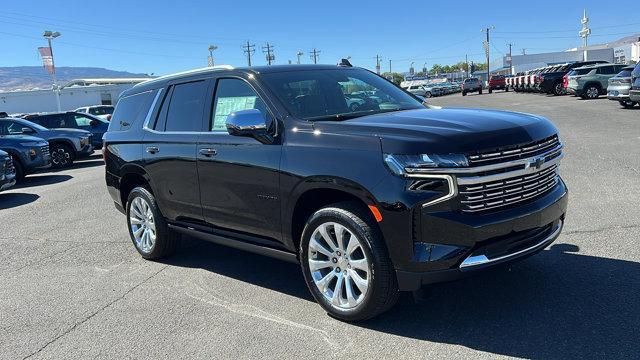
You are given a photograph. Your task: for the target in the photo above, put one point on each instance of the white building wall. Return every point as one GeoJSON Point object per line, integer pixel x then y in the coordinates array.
{"type": "Point", "coordinates": [70, 98]}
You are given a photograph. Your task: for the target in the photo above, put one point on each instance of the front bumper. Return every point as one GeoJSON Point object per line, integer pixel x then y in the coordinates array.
{"type": "Point", "coordinates": [634, 95]}
{"type": "Point", "coordinates": [476, 241]}
{"type": "Point", "coordinates": [86, 150]}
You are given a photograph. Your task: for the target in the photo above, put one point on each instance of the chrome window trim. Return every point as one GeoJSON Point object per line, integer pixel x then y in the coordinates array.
{"type": "Point", "coordinates": [478, 260]}
{"type": "Point", "coordinates": [145, 124]}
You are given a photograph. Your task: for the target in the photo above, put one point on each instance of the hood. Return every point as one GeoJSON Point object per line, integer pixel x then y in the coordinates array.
{"type": "Point", "coordinates": [445, 131]}
{"type": "Point", "coordinates": [69, 132]}
{"type": "Point", "coordinates": [13, 139]}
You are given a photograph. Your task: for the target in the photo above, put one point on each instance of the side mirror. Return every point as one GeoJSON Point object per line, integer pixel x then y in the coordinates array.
{"type": "Point", "coordinates": [27, 130]}
{"type": "Point", "coordinates": [93, 123]}
{"type": "Point", "coordinates": [249, 123]}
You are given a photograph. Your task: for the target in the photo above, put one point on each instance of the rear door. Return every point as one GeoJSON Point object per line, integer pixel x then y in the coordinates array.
{"type": "Point", "coordinates": [239, 176]}
{"type": "Point", "coordinates": [169, 150]}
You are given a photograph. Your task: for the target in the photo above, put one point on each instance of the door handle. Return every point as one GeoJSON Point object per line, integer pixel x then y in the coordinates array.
{"type": "Point", "coordinates": [208, 152]}
{"type": "Point", "coordinates": [152, 149]}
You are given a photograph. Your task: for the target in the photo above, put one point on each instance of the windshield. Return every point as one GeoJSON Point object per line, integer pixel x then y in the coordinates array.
{"type": "Point", "coordinates": [102, 110]}
{"type": "Point", "coordinates": [337, 94]}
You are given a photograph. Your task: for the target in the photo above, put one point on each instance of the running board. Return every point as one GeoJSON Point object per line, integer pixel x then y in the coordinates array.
{"type": "Point", "coordinates": [237, 244]}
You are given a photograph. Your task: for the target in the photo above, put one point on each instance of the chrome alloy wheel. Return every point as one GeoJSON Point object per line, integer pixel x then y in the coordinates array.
{"type": "Point", "coordinates": [142, 224]}
{"type": "Point", "coordinates": [592, 92]}
{"type": "Point", "coordinates": [339, 265]}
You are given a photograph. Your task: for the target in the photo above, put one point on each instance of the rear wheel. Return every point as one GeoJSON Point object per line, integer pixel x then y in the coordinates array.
{"type": "Point", "coordinates": [61, 156]}
{"type": "Point", "coordinates": [345, 263]}
{"type": "Point", "coordinates": [558, 89]}
{"type": "Point", "coordinates": [480, 91]}
{"type": "Point", "coordinates": [490, 90]}
{"type": "Point", "coordinates": [427, 94]}
{"type": "Point", "coordinates": [464, 93]}
{"type": "Point", "coordinates": [592, 92]}
{"type": "Point", "coordinates": [147, 227]}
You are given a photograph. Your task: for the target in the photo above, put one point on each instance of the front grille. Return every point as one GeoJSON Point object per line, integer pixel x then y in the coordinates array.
{"type": "Point", "coordinates": [514, 152]}
{"type": "Point", "coordinates": [502, 193]}
{"type": "Point", "coordinates": [45, 150]}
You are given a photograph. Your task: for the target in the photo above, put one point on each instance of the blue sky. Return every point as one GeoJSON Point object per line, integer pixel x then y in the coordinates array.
{"type": "Point", "coordinates": [166, 36]}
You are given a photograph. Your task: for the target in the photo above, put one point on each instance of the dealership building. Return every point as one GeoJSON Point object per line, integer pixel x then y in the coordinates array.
{"type": "Point", "coordinates": [622, 51]}
{"type": "Point", "coordinates": [74, 94]}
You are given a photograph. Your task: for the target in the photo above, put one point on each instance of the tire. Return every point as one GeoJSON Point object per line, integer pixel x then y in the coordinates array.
{"type": "Point", "coordinates": [558, 89]}
{"type": "Point", "coordinates": [627, 104]}
{"type": "Point", "coordinates": [480, 92]}
{"type": "Point", "coordinates": [490, 91]}
{"type": "Point", "coordinates": [427, 94]}
{"type": "Point", "coordinates": [591, 92]}
{"type": "Point", "coordinates": [164, 244]}
{"type": "Point", "coordinates": [506, 89]}
{"type": "Point", "coordinates": [380, 290]}
{"type": "Point", "coordinates": [464, 93]}
{"type": "Point", "coordinates": [61, 156]}
{"type": "Point", "coordinates": [20, 174]}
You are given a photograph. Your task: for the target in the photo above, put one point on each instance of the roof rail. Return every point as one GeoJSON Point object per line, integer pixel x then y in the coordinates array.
{"type": "Point", "coordinates": [189, 72]}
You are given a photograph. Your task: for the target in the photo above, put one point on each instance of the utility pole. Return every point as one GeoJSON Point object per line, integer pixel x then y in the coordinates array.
{"type": "Point", "coordinates": [466, 61]}
{"type": "Point", "coordinates": [524, 51]}
{"type": "Point", "coordinates": [210, 60]}
{"type": "Point", "coordinates": [510, 58]}
{"type": "Point", "coordinates": [299, 54]}
{"type": "Point", "coordinates": [486, 47]}
{"type": "Point", "coordinates": [268, 51]}
{"type": "Point", "coordinates": [314, 55]}
{"type": "Point", "coordinates": [249, 49]}
{"type": "Point", "coordinates": [378, 59]}
{"type": "Point", "coordinates": [584, 33]}
{"type": "Point", "coordinates": [52, 35]}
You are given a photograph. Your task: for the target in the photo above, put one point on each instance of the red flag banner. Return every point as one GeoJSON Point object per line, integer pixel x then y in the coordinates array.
{"type": "Point", "coordinates": [47, 59]}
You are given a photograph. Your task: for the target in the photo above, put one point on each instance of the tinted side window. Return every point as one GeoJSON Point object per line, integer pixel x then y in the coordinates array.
{"type": "Point", "coordinates": [233, 95]}
{"type": "Point", "coordinates": [185, 109]}
{"type": "Point", "coordinates": [131, 110]}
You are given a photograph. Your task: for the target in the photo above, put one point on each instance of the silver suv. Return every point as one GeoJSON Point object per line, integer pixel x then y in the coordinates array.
{"type": "Point", "coordinates": [619, 86]}
{"type": "Point", "coordinates": [471, 85]}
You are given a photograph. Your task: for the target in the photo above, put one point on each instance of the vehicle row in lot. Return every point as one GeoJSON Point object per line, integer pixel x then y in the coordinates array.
{"type": "Point", "coordinates": [434, 89]}
{"type": "Point", "coordinates": [28, 153]}
{"type": "Point", "coordinates": [588, 80]}
{"type": "Point", "coordinates": [634, 93]}
{"type": "Point", "coordinates": [7, 171]}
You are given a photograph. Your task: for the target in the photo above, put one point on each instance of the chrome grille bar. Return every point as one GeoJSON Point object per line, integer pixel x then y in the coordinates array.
{"type": "Point", "coordinates": [519, 152]}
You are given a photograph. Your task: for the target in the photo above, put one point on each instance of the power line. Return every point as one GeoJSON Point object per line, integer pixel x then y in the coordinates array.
{"type": "Point", "coordinates": [249, 49]}
{"type": "Point", "coordinates": [268, 51]}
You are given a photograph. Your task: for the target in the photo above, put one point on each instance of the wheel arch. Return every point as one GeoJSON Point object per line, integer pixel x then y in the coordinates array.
{"type": "Point", "coordinates": [315, 193]}
{"type": "Point", "coordinates": [132, 176]}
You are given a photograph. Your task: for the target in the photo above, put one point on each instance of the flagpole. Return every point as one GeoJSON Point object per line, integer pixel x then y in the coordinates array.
{"type": "Point", "coordinates": [51, 35]}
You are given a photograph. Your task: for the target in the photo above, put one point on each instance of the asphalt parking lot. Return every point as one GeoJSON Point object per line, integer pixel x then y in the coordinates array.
{"type": "Point", "coordinates": [72, 285]}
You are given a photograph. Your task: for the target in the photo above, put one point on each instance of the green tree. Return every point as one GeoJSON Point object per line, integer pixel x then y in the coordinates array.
{"type": "Point", "coordinates": [395, 77]}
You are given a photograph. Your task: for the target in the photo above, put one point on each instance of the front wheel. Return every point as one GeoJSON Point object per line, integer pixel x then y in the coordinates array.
{"type": "Point", "coordinates": [147, 227]}
{"type": "Point", "coordinates": [427, 94]}
{"type": "Point", "coordinates": [480, 92]}
{"type": "Point", "coordinates": [61, 156]}
{"type": "Point", "coordinates": [627, 104]}
{"type": "Point", "coordinates": [17, 165]}
{"type": "Point", "coordinates": [345, 263]}
{"type": "Point", "coordinates": [592, 92]}
{"type": "Point", "coordinates": [558, 89]}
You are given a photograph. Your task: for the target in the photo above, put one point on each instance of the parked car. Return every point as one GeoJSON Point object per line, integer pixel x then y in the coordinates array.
{"type": "Point", "coordinates": [497, 82]}
{"type": "Point", "coordinates": [634, 93]}
{"type": "Point", "coordinates": [65, 145]}
{"type": "Point", "coordinates": [73, 120]}
{"type": "Point", "coordinates": [102, 111]}
{"type": "Point", "coordinates": [426, 90]}
{"type": "Point", "coordinates": [386, 198]}
{"type": "Point", "coordinates": [552, 82]}
{"type": "Point", "coordinates": [589, 82]}
{"type": "Point", "coordinates": [354, 102]}
{"type": "Point", "coordinates": [29, 153]}
{"type": "Point", "coordinates": [7, 171]}
{"type": "Point", "coordinates": [619, 86]}
{"type": "Point", "coordinates": [471, 85]}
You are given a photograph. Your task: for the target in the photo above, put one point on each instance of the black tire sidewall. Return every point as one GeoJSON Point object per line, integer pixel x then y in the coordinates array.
{"type": "Point", "coordinates": [368, 305]}
{"type": "Point", "coordinates": [20, 174]}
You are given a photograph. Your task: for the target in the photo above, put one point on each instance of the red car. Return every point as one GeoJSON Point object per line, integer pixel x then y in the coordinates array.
{"type": "Point", "coordinates": [497, 82]}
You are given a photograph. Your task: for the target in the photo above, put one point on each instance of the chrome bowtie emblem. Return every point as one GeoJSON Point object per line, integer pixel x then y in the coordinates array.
{"type": "Point", "coordinates": [536, 163]}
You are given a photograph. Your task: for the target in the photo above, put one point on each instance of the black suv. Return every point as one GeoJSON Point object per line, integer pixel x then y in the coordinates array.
{"type": "Point", "coordinates": [384, 198]}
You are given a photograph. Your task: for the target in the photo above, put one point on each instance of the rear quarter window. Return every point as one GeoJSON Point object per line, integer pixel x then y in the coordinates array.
{"type": "Point", "coordinates": [131, 110]}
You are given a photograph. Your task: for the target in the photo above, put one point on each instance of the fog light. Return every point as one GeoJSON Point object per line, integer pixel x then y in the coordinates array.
{"type": "Point", "coordinates": [33, 153]}
{"type": "Point", "coordinates": [426, 252]}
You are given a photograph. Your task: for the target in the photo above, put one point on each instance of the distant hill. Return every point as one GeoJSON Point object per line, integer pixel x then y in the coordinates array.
{"type": "Point", "coordinates": [32, 77]}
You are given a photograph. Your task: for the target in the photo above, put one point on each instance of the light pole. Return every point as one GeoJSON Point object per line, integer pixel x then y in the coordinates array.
{"type": "Point", "coordinates": [299, 54]}
{"type": "Point", "coordinates": [49, 35]}
{"type": "Point", "coordinates": [211, 48]}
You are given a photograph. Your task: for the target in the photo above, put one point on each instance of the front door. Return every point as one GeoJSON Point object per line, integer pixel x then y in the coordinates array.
{"type": "Point", "coordinates": [239, 182]}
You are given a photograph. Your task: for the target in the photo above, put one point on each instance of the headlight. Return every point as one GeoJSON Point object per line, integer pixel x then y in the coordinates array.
{"type": "Point", "coordinates": [398, 163]}
{"type": "Point", "coordinates": [30, 143]}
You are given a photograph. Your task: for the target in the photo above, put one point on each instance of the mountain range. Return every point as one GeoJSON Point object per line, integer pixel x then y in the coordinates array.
{"type": "Point", "coordinates": [36, 77]}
